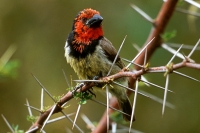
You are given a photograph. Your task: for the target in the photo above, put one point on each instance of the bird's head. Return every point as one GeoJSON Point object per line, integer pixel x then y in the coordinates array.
{"type": "Point", "coordinates": [87, 27]}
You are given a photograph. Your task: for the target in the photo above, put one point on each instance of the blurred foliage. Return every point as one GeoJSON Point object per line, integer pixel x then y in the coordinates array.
{"type": "Point", "coordinates": [45, 108]}
{"type": "Point", "coordinates": [16, 129]}
{"type": "Point", "coordinates": [9, 70]}
{"type": "Point", "coordinates": [118, 118]}
{"type": "Point", "coordinates": [8, 67]}
{"type": "Point", "coordinates": [57, 98]}
{"type": "Point", "coordinates": [32, 118]}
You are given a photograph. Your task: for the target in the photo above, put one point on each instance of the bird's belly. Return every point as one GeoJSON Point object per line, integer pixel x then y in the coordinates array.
{"type": "Point", "coordinates": [93, 65]}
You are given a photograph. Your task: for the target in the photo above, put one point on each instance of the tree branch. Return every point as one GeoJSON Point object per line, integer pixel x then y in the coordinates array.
{"type": "Point", "coordinates": [133, 75]}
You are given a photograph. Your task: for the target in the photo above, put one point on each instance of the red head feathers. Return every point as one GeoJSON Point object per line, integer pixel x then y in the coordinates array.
{"type": "Point", "coordinates": [87, 27]}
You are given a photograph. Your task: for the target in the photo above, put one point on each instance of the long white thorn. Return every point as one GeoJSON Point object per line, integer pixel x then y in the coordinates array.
{"type": "Point", "coordinates": [159, 100]}
{"type": "Point", "coordinates": [140, 52]}
{"type": "Point", "coordinates": [42, 99]}
{"type": "Point", "coordinates": [193, 3]}
{"type": "Point", "coordinates": [144, 79]}
{"type": "Point", "coordinates": [43, 131]}
{"type": "Point", "coordinates": [188, 47]}
{"type": "Point", "coordinates": [59, 118]}
{"type": "Point", "coordinates": [68, 130]}
{"type": "Point", "coordinates": [116, 55]}
{"type": "Point", "coordinates": [175, 55]}
{"type": "Point", "coordinates": [165, 94]}
{"type": "Point", "coordinates": [194, 48]}
{"type": "Point", "coordinates": [53, 108]}
{"type": "Point", "coordinates": [64, 104]}
{"type": "Point", "coordinates": [7, 55]}
{"type": "Point", "coordinates": [88, 80]}
{"type": "Point", "coordinates": [114, 127]}
{"type": "Point", "coordinates": [77, 112]}
{"type": "Point", "coordinates": [145, 57]}
{"type": "Point", "coordinates": [33, 108]}
{"type": "Point", "coordinates": [155, 85]}
{"type": "Point", "coordinates": [48, 93]}
{"type": "Point", "coordinates": [66, 79]}
{"type": "Point", "coordinates": [132, 62]}
{"type": "Point", "coordinates": [186, 76]}
{"type": "Point", "coordinates": [134, 104]}
{"type": "Point", "coordinates": [87, 121]}
{"type": "Point", "coordinates": [107, 108]}
{"type": "Point", "coordinates": [146, 16]}
{"type": "Point", "coordinates": [188, 12]}
{"type": "Point", "coordinates": [66, 116]}
{"type": "Point", "coordinates": [8, 124]}
{"type": "Point", "coordinates": [29, 109]}
{"type": "Point", "coordinates": [33, 129]}
{"type": "Point", "coordinates": [171, 50]}
{"type": "Point", "coordinates": [131, 89]}
{"type": "Point", "coordinates": [136, 47]}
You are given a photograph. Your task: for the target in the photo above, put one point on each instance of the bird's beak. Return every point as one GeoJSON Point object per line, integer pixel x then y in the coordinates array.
{"type": "Point", "coordinates": [95, 21]}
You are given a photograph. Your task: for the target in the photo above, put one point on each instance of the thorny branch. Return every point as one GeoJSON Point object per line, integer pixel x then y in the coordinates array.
{"type": "Point", "coordinates": [133, 75]}
{"type": "Point", "coordinates": [159, 25]}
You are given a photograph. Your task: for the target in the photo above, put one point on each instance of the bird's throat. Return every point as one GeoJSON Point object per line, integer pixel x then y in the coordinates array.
{"type": "Point", "coordinates": [85, 35]}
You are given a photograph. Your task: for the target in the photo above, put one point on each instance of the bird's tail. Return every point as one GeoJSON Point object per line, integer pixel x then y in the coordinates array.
{"type": "Point", "coordinates": [125, 105]}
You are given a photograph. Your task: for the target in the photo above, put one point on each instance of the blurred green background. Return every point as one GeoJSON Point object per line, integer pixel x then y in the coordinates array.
{"type": "Point", "coordinates": [39, 28]}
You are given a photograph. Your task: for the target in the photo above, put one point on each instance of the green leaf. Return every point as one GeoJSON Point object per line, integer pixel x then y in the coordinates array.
{"type": "Point", "coordinates": [168, 35]}
{"type": "Point", "coordinates": [83, 96]}
{"type": "Point", "coordinates": [20, 131]}
{"type": "Point", "coordinates": [118, 117]}
{"type": "Point", "coordinates": [16, 129]}
{"type": "Point", "coordinates": [31, 118]}
{"type": "Point", "coordinates": [57, 98]}
{"type": "Point", "coordinates": [83, 101]}
{"type": "Point", "coordinates": [45, 108]}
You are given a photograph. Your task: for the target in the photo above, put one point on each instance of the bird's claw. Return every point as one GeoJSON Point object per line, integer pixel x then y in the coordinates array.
{"type": "Point", "coordinates": [76, 88]}
{"type": "Point", "coordinates": [96, 77]}
{"type": "Point", "coordinates": [97, 84]}
{"type": "Point", "coordinates": [91, 92]}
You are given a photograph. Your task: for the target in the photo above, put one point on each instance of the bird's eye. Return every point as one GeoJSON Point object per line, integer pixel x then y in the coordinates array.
{"type": "Point", "coordinates": [84, 20]}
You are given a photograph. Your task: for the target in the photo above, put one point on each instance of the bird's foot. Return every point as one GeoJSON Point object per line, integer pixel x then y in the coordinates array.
{"type": "Point", "coordinates": [96, 83]}
{"type": "Point", "coordinates": [79, 86]}
{"type": "Point", "coordinates": [90, 91]}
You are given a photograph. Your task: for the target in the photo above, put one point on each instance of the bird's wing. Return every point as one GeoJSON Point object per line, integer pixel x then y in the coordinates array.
{"type": "Point", "coordinates": [111, 52]}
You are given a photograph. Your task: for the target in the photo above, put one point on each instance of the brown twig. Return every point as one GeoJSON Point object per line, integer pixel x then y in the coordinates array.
{"type": "Point", "coordinates": [159, 24]}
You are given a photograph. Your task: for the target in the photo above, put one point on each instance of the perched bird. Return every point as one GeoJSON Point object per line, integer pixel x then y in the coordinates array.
{"type": "Point", "coordinates": [90, 54]}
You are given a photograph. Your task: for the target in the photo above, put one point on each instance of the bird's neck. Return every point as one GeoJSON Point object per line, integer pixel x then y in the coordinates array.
{"type": "Point", "coordinates": [86, 35]}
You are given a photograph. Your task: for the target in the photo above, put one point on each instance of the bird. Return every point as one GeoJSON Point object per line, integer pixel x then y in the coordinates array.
{"type": "Point", "coordinates": [91, 55]}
